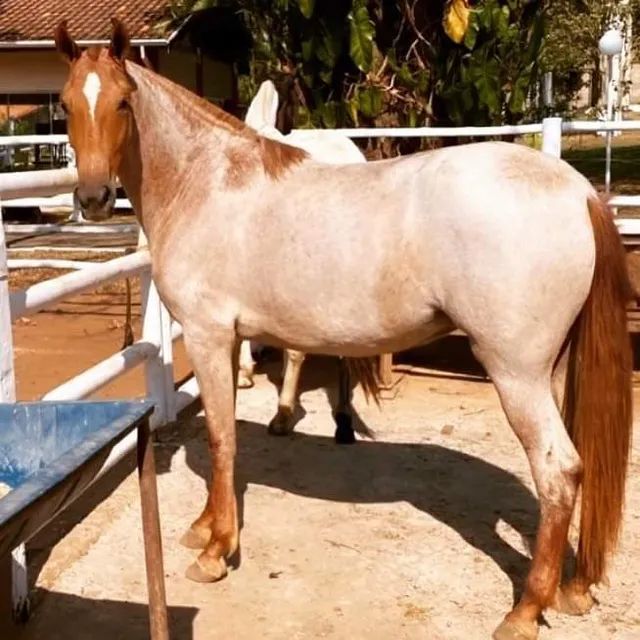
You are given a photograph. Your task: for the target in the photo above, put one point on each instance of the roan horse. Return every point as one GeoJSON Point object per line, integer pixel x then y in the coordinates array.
{"type": "Point", "coordinates": [512, 246]}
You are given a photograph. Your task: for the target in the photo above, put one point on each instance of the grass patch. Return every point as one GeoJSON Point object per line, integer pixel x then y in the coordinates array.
{"type": "Point", "coordinates": [625, 166]}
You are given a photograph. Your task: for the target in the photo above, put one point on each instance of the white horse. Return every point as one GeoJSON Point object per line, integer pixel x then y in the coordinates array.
{"type": "Point", "coordinates": [332, 148]}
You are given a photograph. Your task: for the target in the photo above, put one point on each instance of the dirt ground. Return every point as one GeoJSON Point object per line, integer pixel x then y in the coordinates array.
{"type": "Point", "coordinates": [422, 533]}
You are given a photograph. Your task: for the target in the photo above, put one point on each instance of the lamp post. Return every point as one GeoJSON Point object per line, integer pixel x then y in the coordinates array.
{"type": "Point", "coordinates": [610, 45]}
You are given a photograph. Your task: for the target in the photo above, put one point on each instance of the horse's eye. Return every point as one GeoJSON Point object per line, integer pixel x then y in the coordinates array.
{"type": "Point", "coordinates": [123, 105]}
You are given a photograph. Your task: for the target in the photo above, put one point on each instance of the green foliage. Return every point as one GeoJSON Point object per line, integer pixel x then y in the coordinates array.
{"type": "Point", "coordinates": [490, 79]}
{"type": "Point", "coordinates": [361, 32]}
{"type": "Point", "coordinates": [389, 62]}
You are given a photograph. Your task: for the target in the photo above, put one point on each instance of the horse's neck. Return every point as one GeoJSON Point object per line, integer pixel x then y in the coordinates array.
{"type": "Point", "coordinates": [174, 135]}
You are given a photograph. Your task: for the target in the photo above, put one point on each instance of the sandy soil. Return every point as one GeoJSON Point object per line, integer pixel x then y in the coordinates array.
{"type": "Point", "coordinates": [422, 533]}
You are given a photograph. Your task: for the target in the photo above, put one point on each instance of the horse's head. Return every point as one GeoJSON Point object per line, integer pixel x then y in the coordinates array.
{"type": "Point", "coordinates": [96, 99]}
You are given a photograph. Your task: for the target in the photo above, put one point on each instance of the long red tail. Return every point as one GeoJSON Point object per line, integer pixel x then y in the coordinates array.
{"type": "Point", "coordinates": [598, 399]}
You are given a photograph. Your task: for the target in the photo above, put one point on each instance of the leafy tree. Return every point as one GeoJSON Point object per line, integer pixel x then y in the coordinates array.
{"type": "Point", "coordinates": [573, 31]}
{"type": "Point", "coordinates": [390, 62]}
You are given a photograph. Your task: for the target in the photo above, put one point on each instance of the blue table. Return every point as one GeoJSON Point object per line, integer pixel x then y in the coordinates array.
{"type": "Point", "coordinates": [50, 452]}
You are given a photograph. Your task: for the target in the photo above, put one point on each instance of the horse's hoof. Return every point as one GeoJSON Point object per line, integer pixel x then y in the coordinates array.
{"type": "Point", "coordinates": [195, 539]}
{"type": "Point", "coordinates": [344, 431]}
{"type": "Point", "coordinates": [207, 570]}
{"type": "Point", "coordinates": [572, 602]}
{"type": "Point", "coordinates": [516, 630]}
{"type": "Point", "coordinates": [282, 424]}
{"type": "Point", "coordinates": [245, 380]}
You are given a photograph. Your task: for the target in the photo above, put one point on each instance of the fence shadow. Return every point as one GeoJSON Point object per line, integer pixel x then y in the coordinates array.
{"type": "Point", "coordinates": [63, 616]}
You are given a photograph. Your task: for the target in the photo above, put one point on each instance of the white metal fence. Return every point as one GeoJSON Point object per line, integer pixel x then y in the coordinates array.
{"type": "Point", "coordinates": [154, 349]}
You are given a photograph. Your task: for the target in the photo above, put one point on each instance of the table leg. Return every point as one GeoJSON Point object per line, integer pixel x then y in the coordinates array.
{"type": "Point", "coordinates": [152, 539]}
{"type": "Point", "coordinates": [6, 617]}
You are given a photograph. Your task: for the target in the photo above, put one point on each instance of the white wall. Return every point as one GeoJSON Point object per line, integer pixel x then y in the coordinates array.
{"type": "Point", "coordinates": [43, 71]}
{"type": "Point", "coordinates": [38, 71]}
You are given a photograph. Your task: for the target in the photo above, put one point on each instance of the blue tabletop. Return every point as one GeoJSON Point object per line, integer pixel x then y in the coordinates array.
{"type": "Point", "coordinates": [43, 442]}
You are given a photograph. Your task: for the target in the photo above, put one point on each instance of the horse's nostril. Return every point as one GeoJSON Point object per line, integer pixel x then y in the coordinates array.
{"type": "Point", "coordinates": [105, 193]}
{"type": "Point", "coordinates": [81, 197]}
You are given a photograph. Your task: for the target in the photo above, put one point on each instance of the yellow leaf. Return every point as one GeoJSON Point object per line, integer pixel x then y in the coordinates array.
{"type": "Point", "coordinates": [456, 19]}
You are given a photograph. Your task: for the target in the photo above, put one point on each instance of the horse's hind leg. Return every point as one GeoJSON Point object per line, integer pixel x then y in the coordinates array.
{"type": "Point", "coordinates": [556, 467]}
{"type": "Point", "coordinates": [343, 411]}
{"type": "Point", "coordinates": [289, 410]}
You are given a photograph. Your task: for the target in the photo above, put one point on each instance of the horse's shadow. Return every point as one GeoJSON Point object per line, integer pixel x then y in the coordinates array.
{"type": "Point", "coordinates": [462, 491]}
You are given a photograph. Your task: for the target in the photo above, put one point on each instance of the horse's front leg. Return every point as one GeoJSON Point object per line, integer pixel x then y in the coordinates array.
{"type": "Point", "coordinates": [215, 364]}
{"type": "Point", "coordinates": [289, 410]}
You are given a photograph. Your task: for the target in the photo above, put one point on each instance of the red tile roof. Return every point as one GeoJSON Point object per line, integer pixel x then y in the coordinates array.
{"type": "Point", "coordinates": [88, 19]}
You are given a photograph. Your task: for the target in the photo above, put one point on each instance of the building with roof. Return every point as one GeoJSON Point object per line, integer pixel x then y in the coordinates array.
{"type": "Point", "coordinates": [32, 73]}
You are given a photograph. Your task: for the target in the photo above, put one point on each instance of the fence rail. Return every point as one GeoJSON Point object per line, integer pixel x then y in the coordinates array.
{"type": "Point", "coordinates": [104, 372]}
{"type": "Point", "coordinates": [44, 294]}
{"type": "Point", "coordinates": [82, 229]}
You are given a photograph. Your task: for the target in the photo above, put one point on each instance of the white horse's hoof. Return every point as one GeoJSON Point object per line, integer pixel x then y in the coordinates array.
{"type": "Point", "coordinates": [282, 423]}
{"type": "Point", "coordinates": [285, 421]}
{"type": "Point", "coordinates": [245, 380]}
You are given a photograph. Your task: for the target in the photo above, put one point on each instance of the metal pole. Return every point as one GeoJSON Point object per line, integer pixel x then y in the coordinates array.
{"type": "Point", "coordinates": [158, 620]}
{"type": "Point", "coordinates": [609, 136]}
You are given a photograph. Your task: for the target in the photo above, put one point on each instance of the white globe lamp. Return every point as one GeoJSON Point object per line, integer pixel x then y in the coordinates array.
{"type": "Point", "coordinates": [611, 43]}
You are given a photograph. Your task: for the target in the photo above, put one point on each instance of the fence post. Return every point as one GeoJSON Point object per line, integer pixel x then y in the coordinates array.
{"type": "Point", "coordinates": [76, 212]}
{"type": "Point", "coordinates": [552, 136]}
{"type": "Point", "coordinates": [167, 362]}
{"type": "Point", "coordinates": [19, 583]}
{"type": "Point", "coordinates": [152, 330]}
{"type": "Point", "coordinates": [157, 329]}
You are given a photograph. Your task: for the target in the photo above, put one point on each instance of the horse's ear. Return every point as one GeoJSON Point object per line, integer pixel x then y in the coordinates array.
{"type": "Point", "coordinates": [119, 47]}
{"type": "Point", "coordinates": [65, 44]}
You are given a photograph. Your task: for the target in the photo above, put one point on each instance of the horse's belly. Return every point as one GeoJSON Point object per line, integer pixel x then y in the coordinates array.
{"type": "Point", "coordinates": [333, 334]}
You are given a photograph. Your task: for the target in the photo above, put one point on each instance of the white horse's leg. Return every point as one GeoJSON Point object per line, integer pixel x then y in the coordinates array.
{"type": "Point", "coordinates": [289, 408]}
{"type": "Point", "coordinates": [247, 365]}
{"type": "Point", "coordinates": [340, 400]}
{"type": "Point", "coordinates": [215, 364]}
{"type": "Point", "coordinates": [556, 468]}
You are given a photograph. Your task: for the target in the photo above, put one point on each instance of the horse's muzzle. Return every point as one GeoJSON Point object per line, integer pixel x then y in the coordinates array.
{"type": "Point", "coordinates": [96, 202]}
